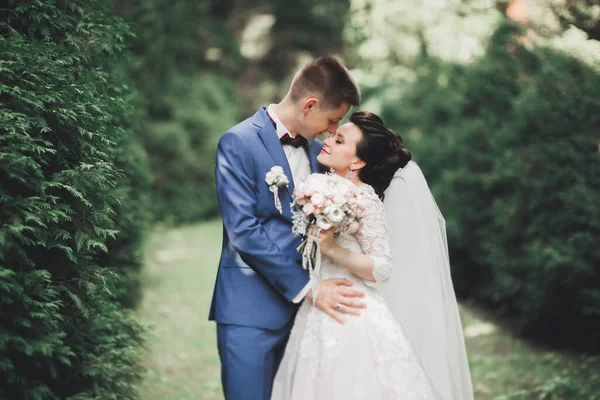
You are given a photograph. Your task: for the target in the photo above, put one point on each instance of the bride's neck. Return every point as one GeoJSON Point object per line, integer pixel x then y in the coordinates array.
{"type": "Point", "coordinates": [346, 174]}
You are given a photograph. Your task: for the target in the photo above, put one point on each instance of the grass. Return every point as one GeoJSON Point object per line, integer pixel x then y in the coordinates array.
{"type": "Point", "coordinates": [183, 363]}
{"type": "Point", "coordinates": [506, 367]}
{"type": "Point", "coordinates": [182, 360]}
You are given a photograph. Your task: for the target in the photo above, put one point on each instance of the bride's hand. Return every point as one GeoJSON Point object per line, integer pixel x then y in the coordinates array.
{"type": "Point", "coordinates": [325, 239]}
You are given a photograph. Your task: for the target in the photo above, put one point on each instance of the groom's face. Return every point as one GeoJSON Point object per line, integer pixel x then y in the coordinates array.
{"type": "Point", "coordinates": [317, 121]}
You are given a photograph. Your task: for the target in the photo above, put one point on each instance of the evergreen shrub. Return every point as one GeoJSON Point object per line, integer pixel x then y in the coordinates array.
{"type": "Point", "coordinates": [71, 204]}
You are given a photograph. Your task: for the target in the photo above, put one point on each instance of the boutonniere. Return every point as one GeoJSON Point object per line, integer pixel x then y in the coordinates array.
{"type": "Point", "coordinates": [276, 179]}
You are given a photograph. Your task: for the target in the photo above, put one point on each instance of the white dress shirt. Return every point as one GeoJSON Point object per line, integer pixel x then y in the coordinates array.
{"type": "Point", "coordinates": [300, 167]}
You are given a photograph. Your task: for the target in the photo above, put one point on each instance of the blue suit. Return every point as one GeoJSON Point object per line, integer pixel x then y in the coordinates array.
{"type": "Point", "coordinates": [260, 271]}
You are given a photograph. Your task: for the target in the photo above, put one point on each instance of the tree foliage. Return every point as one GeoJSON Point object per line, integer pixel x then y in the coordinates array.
{"type": "Point", "coordinates": [187, 99]}
{"type": "Point", "coordinates": [510, 144]}
{"type": "Point", "coordinates": [72, 203]}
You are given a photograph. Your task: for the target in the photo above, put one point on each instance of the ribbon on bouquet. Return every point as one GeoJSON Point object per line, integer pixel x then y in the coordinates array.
{"type": "Point", "coordinates": [311, 260]}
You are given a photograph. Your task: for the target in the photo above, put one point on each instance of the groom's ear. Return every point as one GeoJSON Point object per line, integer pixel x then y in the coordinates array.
{"type": "Point", "coordinates": [310, 104]}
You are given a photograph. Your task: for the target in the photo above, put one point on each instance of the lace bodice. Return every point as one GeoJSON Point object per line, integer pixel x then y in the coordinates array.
{"type": "Point", "coordinates": [373, 236]}
{"type": "Point", "coordinates": [371, 239]}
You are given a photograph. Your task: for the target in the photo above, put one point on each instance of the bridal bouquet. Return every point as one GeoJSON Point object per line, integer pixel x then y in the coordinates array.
{"type": "Point", "coordinates": [327, 201]}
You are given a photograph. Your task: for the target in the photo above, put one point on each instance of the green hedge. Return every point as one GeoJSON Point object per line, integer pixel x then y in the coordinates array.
{"type": "Point", "coordinates": [72, 204]}
{"type": "Point", "coordinates": [510, 147]}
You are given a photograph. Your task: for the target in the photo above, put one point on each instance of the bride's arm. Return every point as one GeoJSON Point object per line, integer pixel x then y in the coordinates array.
{"type": "Point", "coordinates": [375, 262]}
{"type": "Point", "coordinates": [359, 264]}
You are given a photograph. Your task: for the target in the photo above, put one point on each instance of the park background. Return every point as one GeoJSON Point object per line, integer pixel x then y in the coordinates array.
{"type": "Point", "coordinates": [109, 226]}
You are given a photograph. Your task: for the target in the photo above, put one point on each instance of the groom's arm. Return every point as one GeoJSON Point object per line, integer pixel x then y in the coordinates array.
{"type": "Point", "coordinates": [237, 199]}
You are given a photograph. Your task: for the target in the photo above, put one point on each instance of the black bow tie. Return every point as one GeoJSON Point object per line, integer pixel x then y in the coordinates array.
{"type": "Point", "coordinates": [296, 141]}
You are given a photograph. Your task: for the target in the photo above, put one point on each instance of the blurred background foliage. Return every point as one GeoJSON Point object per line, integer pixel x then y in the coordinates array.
{"type": "Point", "coordinates": [200, 67]}
{"type": "Point", "coordinates": [498, 101]}
{"type": "Point", "coordinates": [111, 112]}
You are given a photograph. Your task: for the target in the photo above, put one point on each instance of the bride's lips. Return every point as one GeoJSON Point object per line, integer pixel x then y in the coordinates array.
{"type": "Point", "coordinates": [323, 151]}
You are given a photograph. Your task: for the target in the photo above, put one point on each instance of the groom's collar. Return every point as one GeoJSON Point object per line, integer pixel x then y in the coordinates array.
{"type": "Point", "coordinates": [262, 120]}
{"type": "Point", "coordinates": [279, 127]}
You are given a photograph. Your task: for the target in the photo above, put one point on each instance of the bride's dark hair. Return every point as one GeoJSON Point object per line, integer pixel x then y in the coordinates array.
{"type": "Point", "coordinates": [381, 149]}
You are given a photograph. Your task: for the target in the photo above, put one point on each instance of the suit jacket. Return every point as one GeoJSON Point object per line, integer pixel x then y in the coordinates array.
{"type": "Point", "coordinates": [260, 271]}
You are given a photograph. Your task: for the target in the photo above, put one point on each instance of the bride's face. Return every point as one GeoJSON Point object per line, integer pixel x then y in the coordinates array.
{"type": "Point", "coordinates": [339, 149]}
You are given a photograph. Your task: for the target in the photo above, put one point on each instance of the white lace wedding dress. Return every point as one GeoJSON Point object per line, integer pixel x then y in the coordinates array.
{"type": "Point", "coordinates": [368, 357]}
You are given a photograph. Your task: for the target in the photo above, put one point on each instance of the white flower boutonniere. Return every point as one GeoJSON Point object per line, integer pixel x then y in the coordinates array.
{"type": "Point", "coordinates": [276, 179]}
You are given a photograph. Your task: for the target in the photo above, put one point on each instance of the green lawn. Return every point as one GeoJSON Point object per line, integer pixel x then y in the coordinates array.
{"type": "Point", "coordinates": [182, 359]}
{"type": "Point", "coordinates": [179, 276]}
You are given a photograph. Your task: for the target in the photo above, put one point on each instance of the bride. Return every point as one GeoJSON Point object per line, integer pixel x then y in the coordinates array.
{"type": "Point", "coordinates": [407, 343]}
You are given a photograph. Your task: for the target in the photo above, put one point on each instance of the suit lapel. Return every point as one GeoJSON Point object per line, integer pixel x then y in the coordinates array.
{"type": "Point", "coordinates": [313, 149]}
{"type": "Point", "coordinates": [268, 135]}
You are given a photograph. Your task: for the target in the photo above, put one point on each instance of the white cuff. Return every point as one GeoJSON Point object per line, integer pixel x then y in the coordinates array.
{"type": "Point", "coordinates": [300, 296]}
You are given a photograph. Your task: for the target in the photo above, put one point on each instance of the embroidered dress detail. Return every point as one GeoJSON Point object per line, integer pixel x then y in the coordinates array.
{"type": "Point", "coordinates": [367, 357]}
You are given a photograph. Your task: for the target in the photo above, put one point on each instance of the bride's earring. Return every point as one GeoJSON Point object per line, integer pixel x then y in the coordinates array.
{"type": "Point", "coordinates": [331, 171]}
{"type": "Point", "coordinates": [351, 173]}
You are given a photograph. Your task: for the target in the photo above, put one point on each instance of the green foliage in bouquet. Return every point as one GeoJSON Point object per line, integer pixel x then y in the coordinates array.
{"type": "Point", "coordinates": [510, 146]}
{"type": "Point", "coordinates": [73, 207]}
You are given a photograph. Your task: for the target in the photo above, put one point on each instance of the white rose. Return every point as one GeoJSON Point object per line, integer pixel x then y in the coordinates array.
{"type": "Point", "coordinates": [335, 214]}
{"type": "Point", "coordinates": [277, 170]}
{"type": "Point", "coordinates": [271, 177]}
{"type": "Point", "coordinates": [318, 182]}
{"type": "Point", "coordinates": [323, 222]}
{"type": "Point", "coordinates": [310, 180]}
{"type": "Point", "coordinates": [282, 181]}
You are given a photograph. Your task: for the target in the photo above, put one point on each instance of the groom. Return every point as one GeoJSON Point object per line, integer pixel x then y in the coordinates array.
{"type": "Point", "coordinates": [260, 281]}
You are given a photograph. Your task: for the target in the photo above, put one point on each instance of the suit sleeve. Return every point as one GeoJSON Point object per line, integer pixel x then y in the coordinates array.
{"type": "Point", "coordinates": [237, 200]}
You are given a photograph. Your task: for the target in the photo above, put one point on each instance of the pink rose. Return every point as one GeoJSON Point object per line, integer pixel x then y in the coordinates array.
{"type": "Point", "coordinates": [317, 199]}
{"type": "Point", "coordinates": [301, 201]}
{"type": "Point", "coordinates": [339, 199]}
{"type": "Point", "coordinates": [299, 192]}
{"type": "Point", "coordinates": [308, 209]}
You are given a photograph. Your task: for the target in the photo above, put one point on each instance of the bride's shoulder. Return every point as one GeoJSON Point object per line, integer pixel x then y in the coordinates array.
{"type": "Point", "coordinates": [367, 193]}
{"type": "Point", "coordinates": [363, 188]}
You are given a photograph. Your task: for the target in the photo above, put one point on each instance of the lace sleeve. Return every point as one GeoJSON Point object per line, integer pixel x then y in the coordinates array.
{"type": "Point", "coordinates": [373, 237]}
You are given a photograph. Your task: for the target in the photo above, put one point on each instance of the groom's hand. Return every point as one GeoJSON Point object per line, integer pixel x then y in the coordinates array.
{"type": "Point", "coordinates": [334, 296]}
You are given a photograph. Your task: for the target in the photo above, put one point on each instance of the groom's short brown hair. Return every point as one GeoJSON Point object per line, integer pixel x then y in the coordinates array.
{"type": "Point", "coordinates": [328, 79]}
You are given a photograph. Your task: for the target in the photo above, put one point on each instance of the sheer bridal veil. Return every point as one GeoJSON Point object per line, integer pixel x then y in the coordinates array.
{"type": "Point", "coordinates": [420, 293]}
